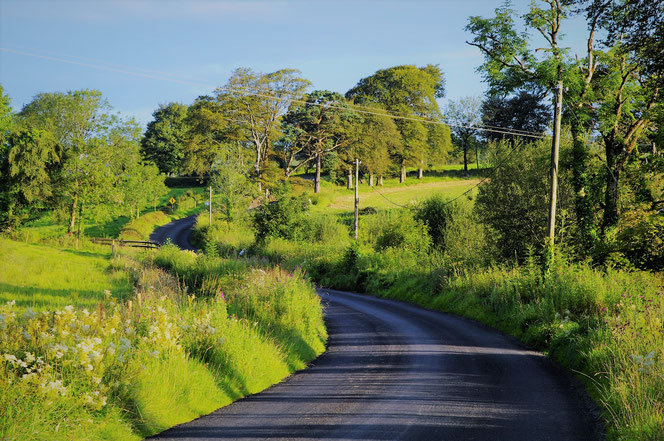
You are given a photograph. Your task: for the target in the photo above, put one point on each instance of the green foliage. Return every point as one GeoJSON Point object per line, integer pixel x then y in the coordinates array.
{"type": "Point", "coordinates": [283, 218]}
{"type": "Point", "coordinates": [465, 114]}
{"type": "Point", "coordinates": [165, 137]}
{"type": "Point", "coordinates": [406, 90]}
{"type": "Point", "coordinates": [229, 238]}
{"type": "Point", "coordinates": [67, 151]}
{"type": "Point", "coordinates": [6, 115]}
{"type": "Point", "coordinates": [513, 204]}
{"type": "Point", "coordinates": [394, 229]}
{"type": "Point", "coordinates": [256, 117]}
{"type": "Point", "coordinates": [315, 128]}
{"type": "Point", "coordinates": [639, 237]}
{"type": "Point", "coordinates": [522, 111]}
{"type": "Point", "coordinates": [232, 185]}
{"type": "Point", "coordinates": [26, 162]}
{"type": "Point", "coordinates": [454, 230]}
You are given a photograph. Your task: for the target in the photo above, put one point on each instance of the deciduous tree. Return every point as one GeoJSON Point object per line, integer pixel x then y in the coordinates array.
{"type": "Point", "coordinates": [407, 91]}
{"type": "Point", "coordinates": [164, 139]}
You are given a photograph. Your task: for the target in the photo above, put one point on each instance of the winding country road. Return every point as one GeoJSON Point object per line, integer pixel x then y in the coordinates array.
{"type": "Point", "coordinates": [395, 371]}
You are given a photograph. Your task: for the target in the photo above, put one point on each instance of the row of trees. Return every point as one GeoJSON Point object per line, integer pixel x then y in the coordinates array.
{"type": "Point", "coordinates": [268, 127]}
{"type": "Point", "coordinates": [68, 152]}
{"type": "Point", "coordinates": [610, 97]}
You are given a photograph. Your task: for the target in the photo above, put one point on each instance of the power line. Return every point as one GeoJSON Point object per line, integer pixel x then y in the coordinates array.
{"type": "Point", "coordinates": [387, 199]}
{"type": "Point", "coordinates": [355, 108]}
{"type": "Point", "coordinates": [490, 175]}
{"type": "Point", "coordinates": [493, 172]}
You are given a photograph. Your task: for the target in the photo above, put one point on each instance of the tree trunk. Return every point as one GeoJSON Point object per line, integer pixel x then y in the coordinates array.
{"type": "Point", "coordinates": [80, 219]}
{"type": "Point", "coordinates": [380, 180]}
{"type": "Point", "coordinates": [402, 178]}
{"type": "Point", "coordinates": [371, 179]}
{"type": "Point", "coordinates": [420, 173]}
{"type": "Point", "coordinates": [611, 191]}
{"type": "Point", "coordinates": [477, 157]}
{"type": "Point", "coordinates": [317, 178]}
{"type": "Point", "coordinates": [465, 159]}
{"type": "Point", "coordinates": [582, 203]}
{"type": "Point", "coordinates": [349, 180]}
{"type": "Point", "coordinates": [72, 215]}
{"type": "Point", "coordinates": [257, 167]}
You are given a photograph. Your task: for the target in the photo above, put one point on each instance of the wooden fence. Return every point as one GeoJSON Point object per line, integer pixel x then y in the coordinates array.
{"type": "Point", "coordinates": [126, 243]}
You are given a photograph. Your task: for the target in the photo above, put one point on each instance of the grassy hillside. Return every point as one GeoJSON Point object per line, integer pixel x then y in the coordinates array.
{"type": "Point", "coordinates": [43, 277]}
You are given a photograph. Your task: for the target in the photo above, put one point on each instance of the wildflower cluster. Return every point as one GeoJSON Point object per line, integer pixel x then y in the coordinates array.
{"type": "Point", "coordinates": [81, 356]}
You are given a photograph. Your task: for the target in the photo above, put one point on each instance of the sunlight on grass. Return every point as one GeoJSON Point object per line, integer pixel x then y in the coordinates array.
{"type": "Point", "coordinates": [41, 277]}
{"type": "Point", "coordinates": [380, 198]}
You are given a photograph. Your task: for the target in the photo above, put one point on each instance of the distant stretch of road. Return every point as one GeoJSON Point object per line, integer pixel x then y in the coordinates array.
{"type": "Point", "coordinates": [177, 232]}
{"type": "Point", "coordinates": [393, 371]}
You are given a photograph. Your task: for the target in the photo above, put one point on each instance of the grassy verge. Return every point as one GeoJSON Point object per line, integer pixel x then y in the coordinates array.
{"type": "Point", "coordinates": [125, 369]}
{"type": "Point", "coordinates": [141, 227]}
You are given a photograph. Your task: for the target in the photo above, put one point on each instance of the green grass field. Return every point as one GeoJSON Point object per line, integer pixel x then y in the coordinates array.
{"type": "Point", "coordinates": [43, 277]}
{"type": "Point", "coordinates": [390, 196]}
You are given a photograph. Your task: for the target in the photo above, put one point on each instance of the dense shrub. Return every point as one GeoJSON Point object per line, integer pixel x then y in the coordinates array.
{"type": "Point", "coordinates": [394, 229]}
{"type": "Point", "coordinates": [639, 237]}
{"type": "Point", "coordinates": [513, 203]}
{"type": "Point", "coordinates": [453, 229]}
{"type": "Point", "coordinates": [324, 229]}
{"type": "Point", "coordinates": [283, 218]}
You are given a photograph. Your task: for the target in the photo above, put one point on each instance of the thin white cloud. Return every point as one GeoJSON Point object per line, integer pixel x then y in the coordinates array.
{"type": "Point", "coordinates": [100, 11]}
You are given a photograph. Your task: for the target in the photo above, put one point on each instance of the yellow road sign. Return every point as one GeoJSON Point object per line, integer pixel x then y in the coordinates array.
{"type": "Point", "coordinates": [171, 200]}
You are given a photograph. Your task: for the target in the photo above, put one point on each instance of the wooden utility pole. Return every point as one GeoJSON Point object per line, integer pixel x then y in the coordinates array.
{"type": "Point", "coordinates": [210, 206]}
{"type": "Point", "coordinates": [553, 194]}
{"type": "Point", "coordinates": [357, 197]}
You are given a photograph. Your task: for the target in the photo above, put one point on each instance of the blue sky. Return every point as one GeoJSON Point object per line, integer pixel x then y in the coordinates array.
{"type": "Point", "coordinates": [333, 43]}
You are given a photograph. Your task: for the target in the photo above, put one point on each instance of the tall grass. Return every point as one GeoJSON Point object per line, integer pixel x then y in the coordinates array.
{"type": "Point", "coordinates": [178, 349]}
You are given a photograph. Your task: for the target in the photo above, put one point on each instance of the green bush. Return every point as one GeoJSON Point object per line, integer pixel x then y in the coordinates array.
{"type": "Point", "coordinates": [639, 237]}
{"type": "Point", "coordinates": [283, 218]}
{"type": "Point", "coordinates": [324, 229]}
{"type": "Point", "coordinates": [453, 229]}
{"type": "Point", "coordinates": [394, 229]}
{"type": "Point", "coordinates": [513, 203]}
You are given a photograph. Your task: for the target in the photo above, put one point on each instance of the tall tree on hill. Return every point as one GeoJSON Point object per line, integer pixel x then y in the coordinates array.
{"type": "Point", "coordinates": [315, 128]}
{"type": "Point", "coordinates": [256, 102]}
{"type": "Point", "coordinates": [164, 139]}
{"type": "Point", "coordinates": [407, 91]}
{"type": "Point", "coordinates": [464, 113]}
{"type": "Point", "coordinates": [94, 148]}
{"type": "Point", "coordinates": [211, 137]}
{"type": "Point", "coordinates": [75, 119]}
{"type": "Point", "coordinates": [374, 139]}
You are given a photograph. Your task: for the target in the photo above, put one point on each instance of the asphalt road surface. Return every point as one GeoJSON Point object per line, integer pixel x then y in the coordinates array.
{"type": "Point", "coordinates": [395, 371]}
{"type": "Point", "coordinates": [177, 231]}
